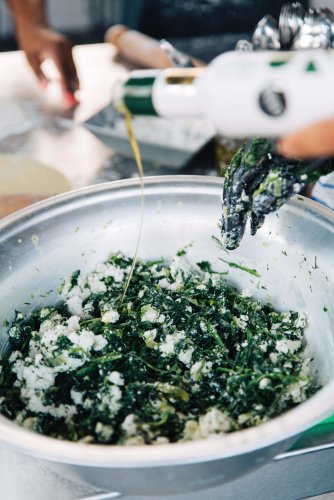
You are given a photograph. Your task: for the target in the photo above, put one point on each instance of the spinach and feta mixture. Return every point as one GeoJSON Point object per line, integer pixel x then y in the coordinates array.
{"type": "Point", "coordinates": [184, 356]}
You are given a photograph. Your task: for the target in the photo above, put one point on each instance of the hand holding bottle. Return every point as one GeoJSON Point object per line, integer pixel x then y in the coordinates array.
{"type": "Point", "coordinates": [315, 140]}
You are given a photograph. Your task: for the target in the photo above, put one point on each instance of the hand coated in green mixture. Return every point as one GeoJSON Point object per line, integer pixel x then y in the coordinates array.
{"type": "Point", "coordinates": [259, 181]}
{"type": "Point", "coordinates": [183, 357]}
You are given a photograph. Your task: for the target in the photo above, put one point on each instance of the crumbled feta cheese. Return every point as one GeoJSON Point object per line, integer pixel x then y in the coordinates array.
{"type": "Point", "coordinates": [99, 343]}
{"type": "Point", "coordinates": [150, 314]}
{"type": "Point", "coordinates": [214, 421]}
{"type": "Point", "coordinates": [306, 368]}
{"type": "Point", "coordinates": [180, 267]}
{"type": "Point", "coordinates": [45, 311]}
{"type": "Point", "coordinates": [87, 404]}
{"type": "Point", "coordinates": [242, 321]}
{"type": "Point", "coordinates": [264, 346]}
{"type": "Point", "coordinates": [77, 397]}
{"type": "Point", "coordinates": [31, 423]}
{"type": "Point", "coordinates": [109, 270]}
{"type": "Point", "coordinates": [296, 391]}
{"type": "Point", "coordinates": [74, 305]}
{"type": "Point", "coordinates": [200, 368]}
{"type": "Point", "coordinates": [35, 377]}
{"type": "Point", "coordinates": [95, 284]}
{"type": "Point", "coordinates": [195, 370]}
{"type": "Point", "coordinates": [264, 382]}
{"type": "Point", "coordinates": [286, 345]}
{"type": "Point", "coordinates": [244, 196]}
{"type": "Point", "coordinates": [65, 411]}
{"type": "Point", "coordinates": [286, 317]}
{"type": "Point", "coordinates": [301, 321]}
{"type": "Point", "coordinates": [66, 362]}
{"type": "Point", "coordinates": [110, 397]}
{"type": "Point", "coordinates": [110, 316]}
{"type": "Point", "coordinates": [203, 326]}
{"type": "Point", "coordinates": [164, 283]}
{"type": "Point", "coordinates": [191, 431]}
{"type": "Point", "coordinates": [161, 440]}
{"type": "Point", "coordinates": [243, 418]}
{"type": "Point", "coordinates": [84, 339]}
{"type": "Point", "coordinates": [104, 432]}
{"type": "Point", "coordinates": [36, 405]}
{"type": "Point", "coordinates": [73, 323]}
{"type": "Point", "coordinates": [273, 358]}
{"type": "Point", "coordinates": [158, 271]}
{"type": "Point", "coordinates": [14, 355]}
{"type": "Point", "coordinates": [168, 346]}
{"type": "Point", "coordinates": [149, 337]}
{"type": "Point", "coordinates": [207, 367]}
{"type": "Point", "coordinates": [129, 425]}
{"type": "Point", "coordinates": [87, 309]}
{"type": "Point", "coordinates": [185, 356]}
{"type": "Point", "coordinates": [116, 378]}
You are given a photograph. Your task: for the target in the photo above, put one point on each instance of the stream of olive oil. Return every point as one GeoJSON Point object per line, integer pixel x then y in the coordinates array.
{"type": "Point", "coordinates": [138, 160]}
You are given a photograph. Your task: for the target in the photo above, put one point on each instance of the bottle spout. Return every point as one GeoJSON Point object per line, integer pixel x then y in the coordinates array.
{"type": "Point", "coordinates": [170, 93]}
{"type": "Point", "coordinates": [117, 96]}
{"type": "Point", "coordinates": [135, 93]}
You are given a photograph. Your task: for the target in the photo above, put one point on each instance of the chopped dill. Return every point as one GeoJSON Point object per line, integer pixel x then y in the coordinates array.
{"type": "Point", "coordinates": [248, 270]}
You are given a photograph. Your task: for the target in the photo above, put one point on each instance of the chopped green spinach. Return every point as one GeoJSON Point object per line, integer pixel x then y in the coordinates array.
{"type": "Point", "coordinates": [183, 357]}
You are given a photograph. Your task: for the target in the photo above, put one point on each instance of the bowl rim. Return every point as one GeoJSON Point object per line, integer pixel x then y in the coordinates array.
{"type": "Point", "coordinates": [283, 427]}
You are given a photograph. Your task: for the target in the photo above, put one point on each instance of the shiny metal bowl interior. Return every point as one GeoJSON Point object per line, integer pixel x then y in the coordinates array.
{"type": "Point", "coordinates": [292, 252]}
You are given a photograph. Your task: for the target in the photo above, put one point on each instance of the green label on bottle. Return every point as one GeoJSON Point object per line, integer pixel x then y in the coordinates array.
{"type": "Point", "coordinates": [138, 95]}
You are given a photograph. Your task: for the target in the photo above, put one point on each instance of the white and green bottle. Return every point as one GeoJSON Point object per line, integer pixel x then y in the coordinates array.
{"type": "Point", "coordinates": [242, 93]}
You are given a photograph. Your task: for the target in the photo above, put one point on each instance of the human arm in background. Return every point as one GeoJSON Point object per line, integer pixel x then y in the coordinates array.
{"type": "Point", "coordinates": [39, 42]}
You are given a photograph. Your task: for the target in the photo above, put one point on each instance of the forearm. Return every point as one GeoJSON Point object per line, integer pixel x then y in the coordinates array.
{"type": "Point", "coordinates": [28, 13]}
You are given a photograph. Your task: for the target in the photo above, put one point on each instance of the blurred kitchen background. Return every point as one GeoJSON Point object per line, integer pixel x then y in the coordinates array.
{"type": "Point", "coordinates": [85, 21]}
{"type": "Point", "coordinates": [87, 145]}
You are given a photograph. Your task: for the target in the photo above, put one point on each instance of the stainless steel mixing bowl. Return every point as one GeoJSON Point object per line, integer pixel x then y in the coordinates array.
{"type": "Point", "coordinates": [292, 252]}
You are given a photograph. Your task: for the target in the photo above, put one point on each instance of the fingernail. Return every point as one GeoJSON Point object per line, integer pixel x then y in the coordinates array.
{"type": "Point", "coordinates": [70, 98]}
{"type": "Point", "coordinates": [43, 84]}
